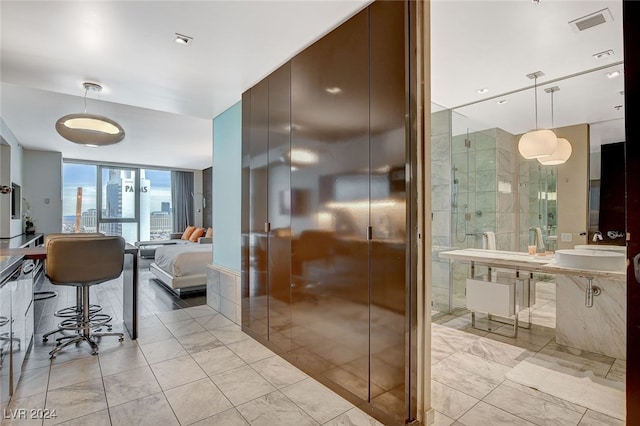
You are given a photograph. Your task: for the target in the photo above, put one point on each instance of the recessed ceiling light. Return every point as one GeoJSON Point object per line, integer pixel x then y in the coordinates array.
{"type": "Point", "coordinates": [501, 102]}
{"type": "Point", "coordinates": [333, 90]}
{"type": "Point", "coordinates": [183, 39]}
{"type": "Point", "coordinates": [614, 74]}
{"type": "Point", "coordinates": [483, 90]}
{"type": "Point", "coordinates": [604, 54]}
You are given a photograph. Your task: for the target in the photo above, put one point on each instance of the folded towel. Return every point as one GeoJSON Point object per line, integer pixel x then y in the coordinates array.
{"type": "Point", "coordinates": [489, 240]}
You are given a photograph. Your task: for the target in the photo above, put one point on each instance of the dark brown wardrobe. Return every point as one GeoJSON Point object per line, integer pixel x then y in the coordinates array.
{"type": "Point", "coordinates": [328, 270]}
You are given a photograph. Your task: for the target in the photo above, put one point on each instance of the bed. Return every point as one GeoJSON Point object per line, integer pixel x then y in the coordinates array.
{"type": "Point", "coordinates": [182, 267]}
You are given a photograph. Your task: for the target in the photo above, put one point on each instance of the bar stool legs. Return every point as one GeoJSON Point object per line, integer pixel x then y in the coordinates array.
{"type": "Point", "coordinates": [84, 327]}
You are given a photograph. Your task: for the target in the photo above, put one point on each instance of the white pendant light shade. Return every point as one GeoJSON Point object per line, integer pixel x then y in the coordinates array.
{"type": "Point", "coordinates": [537, 144]}
{"type": "Point", "coordinates": [89, 129]}
{"type": "Point", "coordinates": [560, 155]}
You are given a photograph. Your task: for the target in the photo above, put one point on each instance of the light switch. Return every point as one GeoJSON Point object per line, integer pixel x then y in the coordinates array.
{"type": "Point", "coordinates": [566, 237]}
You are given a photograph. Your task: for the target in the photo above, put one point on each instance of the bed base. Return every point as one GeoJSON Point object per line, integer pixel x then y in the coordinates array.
{"type": "Point", "coordinates": [179, 285]}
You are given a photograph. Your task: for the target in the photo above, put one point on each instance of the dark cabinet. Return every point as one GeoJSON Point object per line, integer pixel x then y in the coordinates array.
{"type": "Point", "coordinates": [325, 198]}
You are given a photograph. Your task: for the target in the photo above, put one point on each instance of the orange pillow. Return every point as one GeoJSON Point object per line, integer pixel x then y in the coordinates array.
{"type": "Point", "coordinates": [199, 232]}
{"type": "Point", "coordinates": [209, 233]}
{"type": "Point", "coordinates": [187, 232]}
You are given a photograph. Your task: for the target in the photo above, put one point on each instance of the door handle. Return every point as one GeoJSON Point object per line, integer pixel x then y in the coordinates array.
{"type": "Point", "coordinates": [636, 267]}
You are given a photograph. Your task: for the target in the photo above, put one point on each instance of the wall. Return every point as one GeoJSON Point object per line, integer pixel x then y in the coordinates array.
{"type": "Point", "coordinates": [226, 201]}
{"type": "Point", "coordinates": [43, 189]}
{"type": "Point", "coordinates": [441, 207]}
{"type": "Point", "coordinates": [11, 157]}
{"type": "Point", "coordinates": [573, 187]}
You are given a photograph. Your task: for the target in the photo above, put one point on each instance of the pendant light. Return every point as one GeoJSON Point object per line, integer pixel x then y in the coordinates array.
{"type": "Point", "coordinates": [89, 129]}
{"type": "Point", "coordinates": [563, 150]}
{"type": "Point", "coordinates": [537, 143]}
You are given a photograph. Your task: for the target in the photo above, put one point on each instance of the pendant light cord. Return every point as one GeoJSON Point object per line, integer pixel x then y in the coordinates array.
{"type": "Point", "coordinates": [535, 96]}
{"type": "Point", "coordinates": [552, 126]}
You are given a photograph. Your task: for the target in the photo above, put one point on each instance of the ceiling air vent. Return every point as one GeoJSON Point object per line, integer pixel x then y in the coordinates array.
{"type": "Point", "coordinates": [591, 20]}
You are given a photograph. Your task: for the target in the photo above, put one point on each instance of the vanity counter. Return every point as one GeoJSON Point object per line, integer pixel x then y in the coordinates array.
{"type": "Point", "coordinates": [523, 261]}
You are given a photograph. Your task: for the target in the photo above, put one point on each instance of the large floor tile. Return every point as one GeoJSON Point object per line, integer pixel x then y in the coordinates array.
{"type": "Point", "coordinates": [274, 408]}
{"type": "Point", "coordinates": [484, 414]}
{"type": "Point", "coordinates": [72, 372]}
{"type": "Point", "coordinates": [200, 311]}
{"type": "Point", "coordinates": [250, 350]}
{"type": "Point", "coordinates": [469, 374]}
{"type": "Point", "coordinates": [152, 410]}
{"type": "Point", "coordinates": [19, 411]}
{"type": "Point", "coordinates": [449, 401]}
{"type": "Point", "coordinates": [353, 417]}
{"type": "Point", "coordinates": [76, 400]}
{"type": "Point", "coordinates": [32, 382]}
{"type": "Point", "coordinates": [211, 322]}
{"type": "Point", "coordinates": [163, 350]}
{"type": "Point", "coordinates": [121, 360]}
{"type": "Point", "coordinates": [100, 418]}
{"type": "Point", "coordinates": [182, 328]}
{"type": "Point", "coordinates": [173, 316]}
{"type": "Point", "coordinates": [317, 400]}
{"type": "Point", "coordinates": [278, 372]}
{"type": "Point", "coordinates": [531, 408]}
{"type": "Point", "coordinates": [153, 334]}
{"type": "Point", "coordinates": [499, 352]}
{"type": "Point", "coordinates": [228, 418]}
{"type": "Point", "coordinates": [242, 384]}
{"type": "Point", "coordinates": [230, 334]}
{"type": "Point", "coordinates": [177, 371]}
{"type": "Point", "coordinates": [129, 385]}
{"type": "Point", "coordinates": [593, 418]}
{"type": "Point", "coordinates": [199, 342]}
{"type": "Point", "coordinates": [218, 360]}
{"type": "Point", "coordinates": [197, 401]}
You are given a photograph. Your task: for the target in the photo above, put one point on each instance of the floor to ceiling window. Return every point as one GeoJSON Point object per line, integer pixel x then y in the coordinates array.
{"type": "Point", "coordinates": [130, 202]}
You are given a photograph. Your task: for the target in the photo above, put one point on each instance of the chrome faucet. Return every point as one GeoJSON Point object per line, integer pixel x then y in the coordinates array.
{"type": "Point", "coordinates": [597, 236]}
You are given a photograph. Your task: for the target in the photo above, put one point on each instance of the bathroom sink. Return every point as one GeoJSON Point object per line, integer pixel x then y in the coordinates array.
{"type": "Point", "coordinates": [591, 259]}
{"type": "Point", "coordinates": [606, 247]}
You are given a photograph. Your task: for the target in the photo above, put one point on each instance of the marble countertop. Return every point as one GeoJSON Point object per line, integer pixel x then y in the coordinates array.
{"type": "Point", "coordinates": [522, 261]}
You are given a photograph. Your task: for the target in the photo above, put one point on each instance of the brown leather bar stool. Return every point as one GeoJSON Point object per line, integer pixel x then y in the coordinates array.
{"type": "Point", "coordinates": [72, 314]}
{"type": "Point", "coordinates": [82, 263]}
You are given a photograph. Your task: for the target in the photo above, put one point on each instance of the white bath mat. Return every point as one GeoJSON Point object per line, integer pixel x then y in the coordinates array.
{"type": "Point", "coordinates": [578, 387]}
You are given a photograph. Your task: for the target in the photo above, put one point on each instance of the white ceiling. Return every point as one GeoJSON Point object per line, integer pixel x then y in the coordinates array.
{"type": "Point", "coordinates": [165, 95]}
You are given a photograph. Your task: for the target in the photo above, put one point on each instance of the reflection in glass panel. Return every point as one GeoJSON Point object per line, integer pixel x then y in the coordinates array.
{"type": "Point", "coordinates": [156, 214]}
{"type": "Point", "coordinates": [126, 230]}
{"type": "Point", "coordinates": [118, 193]}
{"type": "Point", "coordinates": [79, 212]}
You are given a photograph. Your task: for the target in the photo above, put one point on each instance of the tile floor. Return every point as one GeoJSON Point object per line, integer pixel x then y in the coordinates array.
{"type": "Point", "coordinates": [189, 366]}
{"type": "Point", "coordinates": [194, 366]}
{"type": "Point", "coordinates": [469, 366]}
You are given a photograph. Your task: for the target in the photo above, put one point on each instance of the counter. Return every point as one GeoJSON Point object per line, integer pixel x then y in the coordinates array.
{"type": "Point", "coordinates": [8, 262]}
{"type": "Point", "coordinates": [523, 261]}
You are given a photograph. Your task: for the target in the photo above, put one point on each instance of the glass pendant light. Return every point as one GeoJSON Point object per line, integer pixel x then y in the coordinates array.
{"type": "Point", "coordinates": [563, 151]}
{"type": "Point", "coordinates": [538, 143]}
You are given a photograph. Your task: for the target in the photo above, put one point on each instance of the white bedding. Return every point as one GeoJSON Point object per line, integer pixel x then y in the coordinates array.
{"type": "Point", "coordinates": [184, 259]}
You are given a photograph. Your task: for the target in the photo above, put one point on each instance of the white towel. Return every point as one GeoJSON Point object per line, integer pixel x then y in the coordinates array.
{"type": "Point", "coordinates": [489, 240]}
{"type": "Point", "coordinates": [540, 241]}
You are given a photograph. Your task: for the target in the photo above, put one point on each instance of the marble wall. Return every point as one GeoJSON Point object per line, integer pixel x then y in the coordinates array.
{"type": "Point", "coordinates": [602, 328]}
{"type": "Point", "coordinates": [441, 207]}
{"type": "Point", "coordinates": [223, 292]}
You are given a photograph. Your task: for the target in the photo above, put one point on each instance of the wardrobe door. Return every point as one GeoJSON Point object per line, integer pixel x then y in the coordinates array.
{"type": "Point", "coordinates": [330, 207]}
{"type": "Point", "coordinates": [389, 351]}
{"type": "Point", "coordinates": [258, 212]}
{"type": "Point", "coordinates": [280, 208]}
